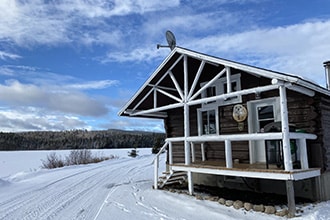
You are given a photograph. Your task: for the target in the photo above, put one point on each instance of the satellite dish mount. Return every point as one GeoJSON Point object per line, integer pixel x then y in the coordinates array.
{"type": "Point", "coordinates": [170, 41]}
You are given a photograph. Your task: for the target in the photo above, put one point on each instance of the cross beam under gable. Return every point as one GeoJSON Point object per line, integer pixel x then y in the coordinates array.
{"type": "Point", "coordinates": [199, 72]}
{"type": "Point", "coordinates": [208, 84]}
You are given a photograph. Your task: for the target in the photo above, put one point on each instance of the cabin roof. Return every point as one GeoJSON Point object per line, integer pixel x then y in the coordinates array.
{"type": "Point", "coordinates": [172, 60]}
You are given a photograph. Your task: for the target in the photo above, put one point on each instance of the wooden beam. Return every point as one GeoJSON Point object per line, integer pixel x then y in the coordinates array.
{"type": "Point", "coordinates": [285, 129]}
{"type": "Point", "coordinates": [155, 97]}
{"type": "Point", "coordinates": [291, 199]}
{"type": "Point", "coordinates": [260, 174]}
{"type": "Point", "coordinates": [193, 155]}
{"type": "Point", "coordinates": [243, 137]}
{"type": "Point", "coordinates": [228, 153]}
{"type": "Point", "coordinates": [199, 72]}
{"type": "Point", "coordinates": [162, 87]}
{"type": "Point", "coordinates": [170, 153]}
{"type": "Point", "coordinates": [169, 95]}
{"type": "Point", "coordinates": [203, 151]}
{"type": "Point", "coordinates": [176, 84]}
{"type": "Point", "coordinates": [190, 183]}
{"type": "Point", "coordinates": [303, 153]}
{"type": "Point", "coordinates": [156, 110]}
{"type": "Point", "coordinates": [208, 84]}
{"type": "Point", "coordinates": [229, 89]}
{"type": "Point", "coordinates": [186, 117]}
{"type": "Point", "coordinates": [232, 94]}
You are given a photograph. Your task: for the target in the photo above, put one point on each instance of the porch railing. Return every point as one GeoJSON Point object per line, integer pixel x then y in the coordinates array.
{"type": "Point", "coordinates": [227, 139]}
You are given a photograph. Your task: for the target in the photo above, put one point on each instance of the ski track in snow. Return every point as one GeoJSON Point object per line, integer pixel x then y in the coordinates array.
{"type": "Point", "coordinates": [114, 189]}
{"type": "Point", "coordinates": [76, 196]}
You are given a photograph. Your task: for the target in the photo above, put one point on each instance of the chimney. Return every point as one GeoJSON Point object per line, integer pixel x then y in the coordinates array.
{"type": "Point", "coordinates": [326, 65]}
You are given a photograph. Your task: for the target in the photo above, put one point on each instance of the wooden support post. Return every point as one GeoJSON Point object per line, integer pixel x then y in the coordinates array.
{"type": "Point", "coordinates": [229, 158]}
{"type": "Point", "coordinates": [170, 153]}
{"type": "Point", "coordinates": [190, 183]}
{"type": "Point", "coordinates": [285, 130]}
{"type": "Point", "coordinates": [303, 154]}
{"type": "Point", "coordinates": [186, 121]}
{"type": "Point", "coordinates": [291, 199]}
{"type": "Point", "coordinates": [320, 196]}
{"type": "Point", "coordinates": [193, 155]}
{"type": "Point", "coordinates": [155, 97]}
{"type": "Point", "coordinates": [156, 162]}
{"type": "Point", "coordinates": [203, 151]}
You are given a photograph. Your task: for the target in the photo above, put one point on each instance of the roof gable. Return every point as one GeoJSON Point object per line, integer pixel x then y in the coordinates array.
{"type": "Point", "coordinates": [169, 86]}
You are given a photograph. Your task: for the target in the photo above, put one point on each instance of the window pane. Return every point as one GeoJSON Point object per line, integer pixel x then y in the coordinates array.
{"type": "Point", "coordinates": [209, 123]}
{"type": "Point", "coordinates": [233, 87]}
{"type": "Point", "coordinates": [266, 112]}
{"type": "Point", "coordinates": [212, 127]}
{"type": "Point", "coordinates": [205, 123]}
{"type": "Point", "coordinates": [210, 91]}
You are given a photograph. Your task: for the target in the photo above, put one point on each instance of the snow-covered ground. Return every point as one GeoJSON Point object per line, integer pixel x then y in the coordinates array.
{"type": "Point", "coordinates": [115, 189]}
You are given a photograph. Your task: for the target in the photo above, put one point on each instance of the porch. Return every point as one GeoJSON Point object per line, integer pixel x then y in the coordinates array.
{"type": "Point", "coordinates": [229, 167]}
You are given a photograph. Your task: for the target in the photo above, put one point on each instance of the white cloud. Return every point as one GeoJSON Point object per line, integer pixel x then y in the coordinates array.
{"type": "Point", "coordinates": [31, 119]}
{"type": "Point", "coordinates": [136, 55]}
{"type": "Point", "coordinates": [69, 21]}
{"type": "Point", "coordinates": [94, 84]}
{"type": "Point", "coordinates": [5, 55]}
{"type": "Point", "coordinates": [299, 49]}
{"type": "Point", "coordinates": [55, 100]}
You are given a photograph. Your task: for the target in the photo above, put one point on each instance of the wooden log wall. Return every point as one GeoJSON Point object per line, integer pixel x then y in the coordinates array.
{"type": "Point", "coordinates": [324, 133]}
{"type": "Point", "coordinates": [306, 113]}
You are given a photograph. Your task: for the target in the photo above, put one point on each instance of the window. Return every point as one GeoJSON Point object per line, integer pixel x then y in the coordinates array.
{"type": "Point", "coordinates": [265, 115]}
{"type": "Point", "coordinates": [209, 92]}
{"type": "Point", "coordinates": [208, 121]}
{"type": "Point", "coordinates": [235, 86]}
{"type": "Point", "coordinates": [220, 87]}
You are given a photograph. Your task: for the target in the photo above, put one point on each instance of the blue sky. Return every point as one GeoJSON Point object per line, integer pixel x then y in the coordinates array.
{"type": "Point", "coordinates": [72, 64]}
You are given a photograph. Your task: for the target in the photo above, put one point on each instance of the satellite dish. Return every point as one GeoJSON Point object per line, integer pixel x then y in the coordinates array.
{"type": "Point", "coordinates": [170, 41]}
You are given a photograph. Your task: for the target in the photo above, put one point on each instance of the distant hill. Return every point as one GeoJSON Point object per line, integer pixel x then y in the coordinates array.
{"type": "Point", "coordinates": [79, 139]}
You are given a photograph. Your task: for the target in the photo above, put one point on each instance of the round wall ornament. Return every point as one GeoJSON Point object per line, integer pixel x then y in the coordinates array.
{"type": "Point", "coordinates": [239, 113]}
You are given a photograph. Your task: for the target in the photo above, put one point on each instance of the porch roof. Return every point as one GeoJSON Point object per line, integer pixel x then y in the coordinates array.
{"type": "Point", "coordinates": [173, 66]}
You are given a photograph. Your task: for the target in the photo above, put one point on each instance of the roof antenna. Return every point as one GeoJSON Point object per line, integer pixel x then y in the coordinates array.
{"type": "Point", "coordinates": [170, 41]}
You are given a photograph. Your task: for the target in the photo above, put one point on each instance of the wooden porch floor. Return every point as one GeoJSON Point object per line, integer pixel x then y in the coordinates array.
{"type": "Point", "coordinates": [257, 170]}
{"type": "Point", "coordinates": [242, 166]}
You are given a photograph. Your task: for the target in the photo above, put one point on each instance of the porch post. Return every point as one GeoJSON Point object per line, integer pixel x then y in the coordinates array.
{"type": "Point", "coordinates": [186, 122]}
{"type": "Point", "coordinates": [193, 156]}
{"type": "Point", "coordinates": [285, 129]}
{"type": "Point", "coordinates": [203, 151]}
{"type": "Point", "coordinates": [287, 150]}
{"type": "Point", "coordinates": [291, 200]}
{"type": "Point", "coordinates": [229, 159]}
{"type": "Point", "coordinates": [170, 153]}
{"type": "Point", "coordinates": [303, 154]}
{"type": "Point", "coordinates": [190, 183]}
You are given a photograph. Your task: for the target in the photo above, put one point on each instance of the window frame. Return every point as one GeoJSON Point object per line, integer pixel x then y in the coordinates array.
{"type": "Point", "coordinates": [201, 125]}
{"type": "Point", "coordinates": [219, 86]}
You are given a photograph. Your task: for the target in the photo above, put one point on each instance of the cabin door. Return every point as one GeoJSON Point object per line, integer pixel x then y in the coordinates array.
{"type": "Point", "coordinates": [261, 113]}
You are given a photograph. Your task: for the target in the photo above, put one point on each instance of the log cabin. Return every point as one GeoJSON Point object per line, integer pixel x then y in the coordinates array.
{"type": "Point", "coordinates": [238, 126]}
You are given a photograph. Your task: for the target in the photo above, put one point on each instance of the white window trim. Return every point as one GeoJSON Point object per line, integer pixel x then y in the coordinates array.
{"type": "Point", "coordinates": [222, 81]}
{"type": "Point", "coordinates": [219, 87]}
{"type": "Point", "coordinates": [200, 119]}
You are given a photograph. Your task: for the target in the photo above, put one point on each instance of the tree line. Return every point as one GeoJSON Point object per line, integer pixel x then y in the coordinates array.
{"type": "Point", "coordinates": [79, 139]}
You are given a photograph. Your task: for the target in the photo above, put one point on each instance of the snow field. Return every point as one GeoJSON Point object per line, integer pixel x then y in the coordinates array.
{"type": "Point", "coordinates": [115, 189]}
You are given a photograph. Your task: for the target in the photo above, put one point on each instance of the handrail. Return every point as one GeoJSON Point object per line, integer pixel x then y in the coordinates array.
{"type": "Point", "coordinates": [300, 137]}
{"type": "Point", "coordinates": [243, 137]}
{"type": "Point", "coordinates": [156, 164]}
{"type": "Point", "coordinates": [161, 150]}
